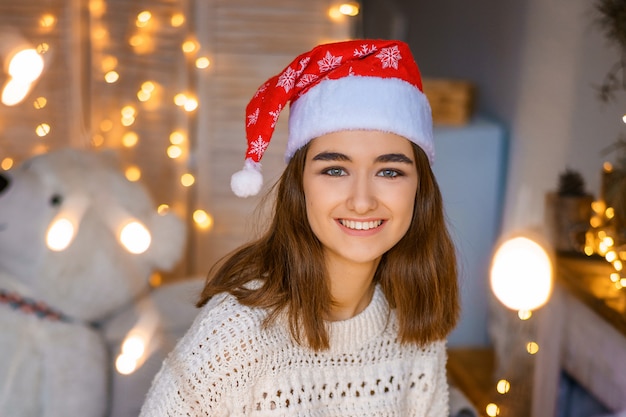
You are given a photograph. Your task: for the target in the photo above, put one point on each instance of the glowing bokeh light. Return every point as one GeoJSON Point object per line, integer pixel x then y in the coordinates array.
{"type": "Point", "coordinates": [42, 129]}
{"type": "Point", "coordinates": [7, 163]}
{"type": "Point", "coordinates": [47, 21]}
{"type": "Point", "coordinates": [189, 46]}
{"type": "Point", "coordinates": [187, 180]}
{"type": "Point", "coordinates": [132, 173]}
{"type": "Point", "coordinates": [190, 105]}
{"type": "Point", "coordinates": [177, 20]}
{"type": "Point", "coordinates": [42, 48]}
{"type": "Point", "coordinates": [14, 92]}
{"type": "Point", "coordinates": [135, 237]}
{"type": "Point", "coordinates": [503, 386]}
{"type": "Point", "coordinates": [143, 18]}
{"type": "Point", "coordinates": [174, 151]}
{"type": "Point", "coordinates": [40, 102]}
{"type": "Point", "coordinates": [349, 9]}
{"type": "Point", "coordinates": [202, 62]}
{"type": "Point", "coordinates": [60, 234]}
{"type": "Point", "coordinates": [125, 364]}
{"type": "Point", "coordinates": [202, 219]}
{"type": "Point", "coordinates": [492, 410]}
{"type": "Point", "coordinates": [532, 347]}
{"type": "Point", "coordinates": [111, 77]}
{"type": "Point", "coordinates": [180, 99]}
{"type": "Point", "coordinates": [130, 139]}
{"type": "Point", "coordinates": [177, 138]}
{"type": "Point", "coordinates": [521, 274]}
{"type": "Point", "coordinates": [26, 65]}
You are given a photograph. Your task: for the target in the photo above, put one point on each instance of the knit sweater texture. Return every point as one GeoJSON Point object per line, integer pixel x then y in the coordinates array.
{"type": "Point", "coordinates": [228, 364]}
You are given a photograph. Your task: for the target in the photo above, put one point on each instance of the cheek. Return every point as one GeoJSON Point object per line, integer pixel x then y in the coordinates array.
{"type": "Point", "coordinates": [405, 208]}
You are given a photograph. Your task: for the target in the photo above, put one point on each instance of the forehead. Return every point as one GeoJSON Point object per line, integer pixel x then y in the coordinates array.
{"type": "Point", "coordinates": [361, 143]}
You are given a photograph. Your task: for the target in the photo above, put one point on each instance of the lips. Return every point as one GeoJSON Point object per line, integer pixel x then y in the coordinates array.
{"type": "Point", "coordinates": [358, 225]}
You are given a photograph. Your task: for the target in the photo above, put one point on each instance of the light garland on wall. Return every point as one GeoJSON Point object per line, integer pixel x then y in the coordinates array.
{"type": "Point", "coordinates": [603, 238]}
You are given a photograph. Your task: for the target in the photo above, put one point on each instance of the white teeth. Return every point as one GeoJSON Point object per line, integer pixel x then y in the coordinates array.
{"type": "Point", "coordinates": [351, 224]}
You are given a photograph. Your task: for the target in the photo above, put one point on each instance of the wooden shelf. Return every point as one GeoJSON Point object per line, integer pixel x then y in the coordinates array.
{"type": "Point", "coordinates": [471, 371]}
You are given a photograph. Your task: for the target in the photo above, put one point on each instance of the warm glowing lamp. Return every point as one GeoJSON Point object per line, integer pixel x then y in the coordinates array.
{"type": "Point", "coordinates": [521, 274]}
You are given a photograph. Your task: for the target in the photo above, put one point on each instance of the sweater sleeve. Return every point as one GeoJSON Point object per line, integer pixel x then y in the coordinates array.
{"type": "Point", "coordinates": [194, 378]}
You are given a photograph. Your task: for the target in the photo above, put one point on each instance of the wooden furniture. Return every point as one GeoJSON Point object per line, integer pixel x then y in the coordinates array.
{"type": "Point", "coordinates": [582, 330]}
{"type": "Point", "coordinates": [471, 371]}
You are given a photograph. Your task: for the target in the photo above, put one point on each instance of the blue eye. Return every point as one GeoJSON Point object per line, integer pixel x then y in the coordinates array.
{"type": "Point", "coordinates": [389, 173]}
{"type": "Point", "coordinates": [334, 172]}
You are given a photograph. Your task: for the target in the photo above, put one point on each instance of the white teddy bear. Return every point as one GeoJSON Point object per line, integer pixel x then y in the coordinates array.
{"type": "Point", "coordinates": [53, 359]}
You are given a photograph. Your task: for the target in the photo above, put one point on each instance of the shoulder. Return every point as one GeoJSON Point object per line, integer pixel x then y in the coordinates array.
{"type": "Point", "coordinates": [224, 322]}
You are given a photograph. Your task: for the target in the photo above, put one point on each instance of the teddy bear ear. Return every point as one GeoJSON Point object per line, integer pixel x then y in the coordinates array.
{"type": "Point", "coordinates": [168, 240]}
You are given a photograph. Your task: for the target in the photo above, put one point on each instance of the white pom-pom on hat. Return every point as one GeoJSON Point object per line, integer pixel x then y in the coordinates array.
{"type": "Point", "coordinates": [248, 181]}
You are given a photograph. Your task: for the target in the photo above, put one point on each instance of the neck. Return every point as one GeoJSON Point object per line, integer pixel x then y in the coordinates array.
{"type": "Point", "coordinates": [351, 287]}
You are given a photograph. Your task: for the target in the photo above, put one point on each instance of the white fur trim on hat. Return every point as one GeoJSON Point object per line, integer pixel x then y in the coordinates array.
{"type": "Point", "coordinates": [361, 103]}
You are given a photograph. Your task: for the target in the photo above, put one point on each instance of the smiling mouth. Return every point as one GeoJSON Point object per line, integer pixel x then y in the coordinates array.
{"type": "Point", "coordinates": [355, 225]}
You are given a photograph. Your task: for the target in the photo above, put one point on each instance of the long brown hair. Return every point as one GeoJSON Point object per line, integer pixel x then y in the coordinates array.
{"type": "Point", "coordinates": [418, 275]}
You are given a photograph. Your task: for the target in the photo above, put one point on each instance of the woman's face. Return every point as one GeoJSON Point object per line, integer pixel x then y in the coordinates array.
{"type": "Point", "coordinates": [359, 188]}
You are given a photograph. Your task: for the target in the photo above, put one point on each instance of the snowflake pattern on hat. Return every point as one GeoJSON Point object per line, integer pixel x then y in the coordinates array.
{"type": "Point", "coordinates": [383, 59]}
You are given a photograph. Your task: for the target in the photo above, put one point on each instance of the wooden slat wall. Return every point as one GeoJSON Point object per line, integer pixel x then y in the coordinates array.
{"type": "Point", "coordinates": [250, 40]}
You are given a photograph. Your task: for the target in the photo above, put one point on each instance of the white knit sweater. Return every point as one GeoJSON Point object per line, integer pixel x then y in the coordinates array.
{"type": "Point", "coordinates": [228, 365]}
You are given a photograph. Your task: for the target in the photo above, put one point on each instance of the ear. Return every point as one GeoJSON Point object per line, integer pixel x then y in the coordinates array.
{"type": "Point", "coordinates": [168, 240]}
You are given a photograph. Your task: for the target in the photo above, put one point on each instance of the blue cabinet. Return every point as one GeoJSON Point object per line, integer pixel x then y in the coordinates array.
{"type": "Point", "coordinates": [470, 167]}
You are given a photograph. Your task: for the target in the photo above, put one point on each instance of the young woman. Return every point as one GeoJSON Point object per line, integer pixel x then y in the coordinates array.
{"type": "Point", "coordinates": [342, 307]}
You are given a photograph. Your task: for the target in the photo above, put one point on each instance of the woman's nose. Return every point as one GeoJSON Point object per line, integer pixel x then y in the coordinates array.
{"type": "Point", "coordinates": [362, 197]}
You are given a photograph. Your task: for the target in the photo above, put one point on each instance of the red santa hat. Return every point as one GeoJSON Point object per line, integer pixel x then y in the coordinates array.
{"type": "Point", "coordinates": [352, 85]}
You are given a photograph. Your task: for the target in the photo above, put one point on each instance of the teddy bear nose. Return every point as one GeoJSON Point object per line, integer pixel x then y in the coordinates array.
{"type": "Point", "coordinates": [4, 182]}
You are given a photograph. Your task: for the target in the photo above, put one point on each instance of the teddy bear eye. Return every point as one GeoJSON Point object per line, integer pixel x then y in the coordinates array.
{"type": "Point", "coordinates": [56, 200]}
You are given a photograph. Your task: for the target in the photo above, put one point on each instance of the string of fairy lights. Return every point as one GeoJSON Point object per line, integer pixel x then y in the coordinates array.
{"type": "Point", "coordinates": [603, 238]}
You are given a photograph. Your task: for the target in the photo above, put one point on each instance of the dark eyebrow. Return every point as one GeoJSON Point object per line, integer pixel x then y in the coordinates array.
{"type": "Point", "coordinates": [394, 157]}
{"type": "Point", "coordinates": [331, 156]}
